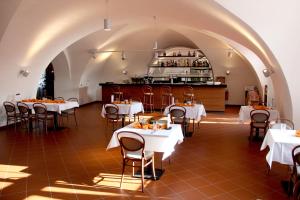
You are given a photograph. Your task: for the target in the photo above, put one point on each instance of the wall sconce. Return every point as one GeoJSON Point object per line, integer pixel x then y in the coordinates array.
{"type": "Point", "coordinates": [24, 72]}
{"type": "Point", "coordinates": [267, 72]}
{"type": "Point", "coordinates": [227, 72]}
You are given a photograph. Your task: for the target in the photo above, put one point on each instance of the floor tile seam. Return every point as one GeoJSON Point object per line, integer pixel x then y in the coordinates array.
{"type": "Point", "coordinates": [9, 162]}
{"type": "Point", "coordinates": [246, 188]}
{"type": "Point", "coordinates": [46, 168]}
{"type": "Point", "coordinates": [80, 160]}
{"type": "Point", "coordinates": [65, 167]}
{"type": "Point", "coordinates": [27, 163]}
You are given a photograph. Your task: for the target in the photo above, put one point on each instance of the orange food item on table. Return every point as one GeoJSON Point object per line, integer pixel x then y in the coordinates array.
{"type": "Point", "coordinates": [259, 107]}
{"type": "Point", "coordinates": [298, 133]}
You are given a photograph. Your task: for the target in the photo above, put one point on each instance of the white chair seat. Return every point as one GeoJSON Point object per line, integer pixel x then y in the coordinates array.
{"type": "Point", "coordinates": [138, 154]}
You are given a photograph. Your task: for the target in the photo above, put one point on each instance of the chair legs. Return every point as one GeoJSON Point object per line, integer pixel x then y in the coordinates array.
{"type": "Point", "coordinates": [123, 169]}
{"type": "Point", "coordinates": [142, 168]}
{"type": "Point", "coordinates": [143, 174]}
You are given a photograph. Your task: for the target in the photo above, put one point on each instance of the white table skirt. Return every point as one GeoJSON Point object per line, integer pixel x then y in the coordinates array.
{"type": "Point", "coordinates": [56, 107]}
{"type": "Point", "coordinates": [244, 114]}
{"type": "Point", "coordinates": [158, 141]}
{"type": "Point", "coordinates": [280, 144]}
{"type": "Point", "coordinates": [127, 109]}
{"type": "Point", "coordinates": [192, 112]}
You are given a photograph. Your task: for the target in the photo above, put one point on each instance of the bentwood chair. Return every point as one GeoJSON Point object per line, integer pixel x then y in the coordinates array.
{"type": "Point", "coordinates": [133, 151]}
{"type": "Point", "coordinates": [70, 112]}
{"type": "Point", "coordinates": [177, 114]}
{"type": "Point", "coordinates": [279, 122]}
{"type": "Point", "coordinates": [112, 114]}
{"type": "Point", "coordinates": [259, 120]}
{"type": "Point", "coordinates": [59, 98]}
{"type": "Point", "coordinates": [116, 91]}
{"type": "Point", "coordinates": [166, 96]}
{"type": "Point", "coordinates": [296, 170]}
{"type": "Point", "coordinates": [42, 115]}
{"type": "Point", "coordinates": [188, 94]}
{"type": "Point", "coordinates": [25, 115]}
{"type": "Point", "coordinates": [11, 114]}
{"type": "Point", "coordinates": [148, 98]}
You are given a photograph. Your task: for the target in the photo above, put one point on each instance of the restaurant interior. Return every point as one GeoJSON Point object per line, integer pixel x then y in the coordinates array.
{"type": "Point", "coordinates": [140, 99]}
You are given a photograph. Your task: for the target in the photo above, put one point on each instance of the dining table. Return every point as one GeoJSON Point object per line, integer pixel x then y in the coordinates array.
{"type": "Point", "coordinates": [129, 109]}
{"type": "Point", "coordinates": [244, 113]}
{"type": "Point", "coordinates": [280, 143]}
{"type": "Point", "coordinates": [193, 111]}
{"type": "Point", "coordinates": [55, 108]}
{"type": "Point", "coordinates": [159, 140]}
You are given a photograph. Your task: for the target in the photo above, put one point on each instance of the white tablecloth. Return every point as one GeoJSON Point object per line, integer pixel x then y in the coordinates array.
{"type": "Point", "coordinates": [158, 141]}
{"type": "Point", "coordinates": [244, 114]}
{"type": "Point", "coordinates": [280, 144]}
{"type": "Point", "coordinates": [127, 109]}
{"type": "Point", "coordinates": [57, 107]}
{"type": "Point", "coordinates": [192, 112]}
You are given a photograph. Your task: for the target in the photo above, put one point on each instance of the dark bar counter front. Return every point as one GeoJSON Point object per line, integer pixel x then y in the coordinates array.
{"type": "Point", "coordinates": [212, 96]}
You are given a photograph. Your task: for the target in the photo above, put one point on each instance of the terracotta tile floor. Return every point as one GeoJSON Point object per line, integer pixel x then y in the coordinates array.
{"type": "Point", "coordinates": [216, 163]}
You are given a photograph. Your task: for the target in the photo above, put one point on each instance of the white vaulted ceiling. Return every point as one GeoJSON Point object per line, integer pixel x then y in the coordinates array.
{"type": "Point", "coordinates": [34, 32]}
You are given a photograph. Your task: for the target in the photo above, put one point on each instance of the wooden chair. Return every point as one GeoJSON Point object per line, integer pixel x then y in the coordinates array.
{"type": "Point", "coordinates": [70, 112]}
{"type": "Point", "coordinates": [42, 115]}
{"type": "Point", "coordinates": [112, 114]}
{"type": "Point", "coordinates": [59, 98]}
{"type": "Point", "coordinates": [148, 97]}
{"type": "Point", "coordinates": [166, 96]}
{"type": "Point", "coordinates": [116, 91]}
{"type": "Point", "coordinates": [11, 114]}
{"type": "Point", "coordinates": [177, 114]}
{"type": "Point", "coordinates": [25, 115]}
{"type": "Point", "coordinates": [259, 120]}
{"type": "Point", "coordinates": [188, 94]}
{"type": "Point", "coordinates": [294, 177]}
{"type": "Point", "coordinates": [133, 151]}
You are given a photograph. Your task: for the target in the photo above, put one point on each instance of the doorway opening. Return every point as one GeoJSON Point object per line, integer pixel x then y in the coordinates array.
{"type": "Point", "coordinates": [46, 84]}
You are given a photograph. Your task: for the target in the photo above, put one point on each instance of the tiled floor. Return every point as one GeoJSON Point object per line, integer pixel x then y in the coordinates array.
{"type": "Point", "coordinates": [216, 163]}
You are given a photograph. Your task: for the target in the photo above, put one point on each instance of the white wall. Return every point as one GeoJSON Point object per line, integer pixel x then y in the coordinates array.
{"type": "Point", "coordinates": [38, 31]}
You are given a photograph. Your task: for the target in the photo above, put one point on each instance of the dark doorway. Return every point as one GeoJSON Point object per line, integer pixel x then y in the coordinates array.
{"type": "Point", "coordinates": [46, 86]}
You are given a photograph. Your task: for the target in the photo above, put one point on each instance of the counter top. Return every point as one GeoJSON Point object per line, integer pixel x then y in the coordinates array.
{"type": "Point", "coordinates": [169, 84]}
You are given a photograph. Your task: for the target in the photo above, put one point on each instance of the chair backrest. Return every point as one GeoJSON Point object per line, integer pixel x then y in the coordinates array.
{"type": "Point", "coordinates": [260, 116]}
{"type": "Point", "coordinates": [40, 110]}
{"type": "Point", "coordinates": [131, 142]}
{"type": "Point", "coordinates": [279, 122]}
{"type": "Point", "coordinates": [147, 89]}
{"type": "Point", "coordinates": [177, 114]}
{"type": "Point", "coordinates": [116, 88]}
{"type": "Point", "coordinates": [188, 90]}
{"type": "Point", "coordinates": [10, 108]}
{"type": "Point", "coordinates": [73, 99]}
{"type": "Point", "coordinates": [296, 158]}
{"type": "Point", "coordinates": [165, 90]}
{"type": "Point", "coordinates": [111, 111]}
{"type": "Point", "coordinates": [59, 98]}
{"type": "Point", "coordinates": [23, 108]}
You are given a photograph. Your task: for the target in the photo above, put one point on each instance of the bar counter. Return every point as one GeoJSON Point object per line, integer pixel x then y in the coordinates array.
{"type": "Point", "coordinates": [212, 96]}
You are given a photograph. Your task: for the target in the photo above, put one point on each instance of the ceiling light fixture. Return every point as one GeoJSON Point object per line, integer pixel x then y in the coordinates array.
{"type": "Point", "coordinates": [155, 46]}
{"type": "Point", "coordinates": [107, 22]}
{"type": "Point", "coordinates": [123, 55]}
{"type": "Point", "coordinates": [229, 53]}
